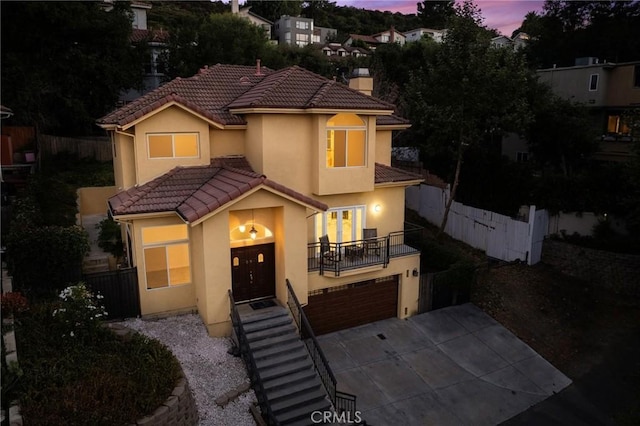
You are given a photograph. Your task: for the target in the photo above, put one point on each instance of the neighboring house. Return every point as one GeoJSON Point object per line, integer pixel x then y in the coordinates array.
{"type": "Point", "coordinates": [156, 41]}
{"type": "Point", "coordinates": [322, 34]}
{"type": "Point", "coordinates": [418, 33]}
{"type": "Point", "coordinates": [337, 50]}
{"type": "Point", "coordinates": [293, 30]}
{"type": "Point", "coordinates": [255, 19]}
{"type": "Point", "coordinates": [610, 91]}
{"type": "Point", "coordinates": [229, 179]}
{"type": "Point", "coordinates": [518, 41]}
{"type": "Point", "coordinates": [369, 41]}
{"type": "Point", "coordinates": [390, 36]}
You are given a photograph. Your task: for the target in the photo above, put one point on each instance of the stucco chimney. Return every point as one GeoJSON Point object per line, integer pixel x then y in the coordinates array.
{"type": "Point", "coordinates": [258, 70]}
{"type": "Point", "coordinates": [361, 81]}
{"type": "Point", "coordinates": [235, 8]}
{"type": "Point", "coordinates": [392, 37]}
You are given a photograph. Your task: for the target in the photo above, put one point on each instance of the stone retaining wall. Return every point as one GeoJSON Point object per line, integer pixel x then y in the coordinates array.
{"type": "Point", "coordinates": [614, 271]}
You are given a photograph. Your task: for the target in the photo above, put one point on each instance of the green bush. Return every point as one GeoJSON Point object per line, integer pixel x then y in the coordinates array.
{"type": "Point", "coordinates": [438, 256]}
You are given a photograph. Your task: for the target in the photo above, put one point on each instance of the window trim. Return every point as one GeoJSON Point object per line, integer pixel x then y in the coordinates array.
{"type": "Point", "coordinates": [362, 128]}
{"type": "Point", "coordinates": [592, 80]}
{"type": "Point", "coordinates": [165, 244]}
{"type": "Point", "coordinates": [334, 211]}
{"type": "Point", "coordinates": [173, 145]}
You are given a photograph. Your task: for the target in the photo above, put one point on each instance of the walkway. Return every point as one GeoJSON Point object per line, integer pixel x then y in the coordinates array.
{"type": "Point", "coordinates": [453, 366]}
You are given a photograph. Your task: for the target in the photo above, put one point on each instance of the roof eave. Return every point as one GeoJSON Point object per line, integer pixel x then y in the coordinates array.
{"type": "Point", "coordinates": [273, 110]}
{"type": "Point", "coordinates": [393, 126]}
{"type": "Point", "coordinates": [399, 183]}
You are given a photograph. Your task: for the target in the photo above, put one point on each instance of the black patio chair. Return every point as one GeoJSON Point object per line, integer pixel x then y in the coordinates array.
{"type": "Point", "coordinates": [371, 243]}
{"type": "Point", "coordinates": [328, 254]}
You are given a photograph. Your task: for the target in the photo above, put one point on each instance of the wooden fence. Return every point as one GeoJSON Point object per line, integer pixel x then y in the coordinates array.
{"type": "Point", "coordinates": [98, 148]}
{"type": "Point", "coordinates": [499, 236]}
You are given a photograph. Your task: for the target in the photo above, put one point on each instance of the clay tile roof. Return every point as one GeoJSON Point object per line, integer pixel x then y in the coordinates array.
{"type": "Point", "coordinates": [390, 120]}
{"type": "Point", "coordinates": [156, 36]}
{"type": "Point", "coordinates": [194, 192]}
{"type": "Point", "coordinates": [216, 90]}
{"type": "Point", "coordinates": [365, 38]}
{"type": "Point", "coordinates": [388, 174]}
{"type": "Point", "coordinates": [296, 87]}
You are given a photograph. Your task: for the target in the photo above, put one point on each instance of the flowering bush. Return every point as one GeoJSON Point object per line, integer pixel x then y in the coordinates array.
{"type": "Point", "coordinates": [79, 313]}
{"type": "Point", "coordinates": [13, 303]}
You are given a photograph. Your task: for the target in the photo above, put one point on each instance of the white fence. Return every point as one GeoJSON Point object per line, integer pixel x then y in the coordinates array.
{"type": "Point", "coordinates": [500, 236]}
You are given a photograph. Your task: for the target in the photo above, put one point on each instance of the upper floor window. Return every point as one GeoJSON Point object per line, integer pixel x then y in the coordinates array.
{"type": "Point", "coordinates": [172, 145]}
{"type": "Point", "coordinates": [346, 141]}
{"type": "Point", "coordinates": [302, 25]}
{"type": "Point", "coordinates": [593, 82]}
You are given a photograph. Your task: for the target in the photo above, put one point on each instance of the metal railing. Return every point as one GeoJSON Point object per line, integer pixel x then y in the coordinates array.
{"type": "Point", "coordinates": [342, 401]}
{"type": "Point", "coordinates": [250, 362]}
{"type": "Point", "coordinates": [338, 257]}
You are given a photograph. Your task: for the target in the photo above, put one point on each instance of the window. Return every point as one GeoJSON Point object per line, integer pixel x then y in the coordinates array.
{"type": "Point", "coordinates": [615, 124]}
{"type": "Point", "coordinates": [341, 224]}
{"type": "Point", "coordinates": [302, 25]}
{"type": "Point", "coordinates": [166, 256]}
{"type": "Point", "coordinates": [287, 37]}
{"type": "Point", "coordinates": [522, 157]}
{"type": "Point", "coordinates": [176, 145]}
{"type": "Point", "coordinates": [593, 82]}
{"type": "Point", "coordinates": [346, 141]}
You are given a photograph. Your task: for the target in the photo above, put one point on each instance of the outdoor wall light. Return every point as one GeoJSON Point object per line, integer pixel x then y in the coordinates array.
{"type": "Point", "coordinates": [415, 272]}
{"type": "Point", "coordinates": [253, 233]}
{"type": "Point", "coordinates": [242, 228]}
{"type": "Point", "coordinates": [377, 208]}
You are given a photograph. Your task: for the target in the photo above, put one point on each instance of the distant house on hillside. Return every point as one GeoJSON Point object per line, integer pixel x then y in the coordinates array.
{"type": "Point", "coordinates": [254, 18]}
{"type": "Point", "coordinates": [518, 41]}
{"type": "Point", "coordinates": [418, 33]}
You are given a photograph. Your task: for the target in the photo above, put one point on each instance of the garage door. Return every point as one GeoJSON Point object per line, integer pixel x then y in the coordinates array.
{"type": "Point", "coordinates": [355, 304]}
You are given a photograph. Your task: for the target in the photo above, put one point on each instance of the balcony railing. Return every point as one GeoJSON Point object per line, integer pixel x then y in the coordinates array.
{"type": "Point", "coordinates": [349, 255]}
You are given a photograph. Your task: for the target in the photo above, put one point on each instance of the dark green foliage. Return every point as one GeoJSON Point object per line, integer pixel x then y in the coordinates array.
{"type": "Point", "coordinates": [110, 238]}
{"type": "Point", "coordinates": [274, 9]}
{"type": "Point", "coordinates": [435, 14]}
{"type": "Point", "coordinates": [100, 381]}
{"type": "Point", "coordinates": [64, 63]}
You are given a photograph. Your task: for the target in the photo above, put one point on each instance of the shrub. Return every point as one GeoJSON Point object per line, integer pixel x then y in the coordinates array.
{"type": "Point", "coordinates": [110, 238]}
{"type": "Point", "coordinates": [79, 314]}
{"type": "Point", "coordinates": [13, 303]}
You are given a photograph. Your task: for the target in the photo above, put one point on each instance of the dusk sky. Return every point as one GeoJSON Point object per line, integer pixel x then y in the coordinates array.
{"type": "Point", "coordinates": [503, 15]}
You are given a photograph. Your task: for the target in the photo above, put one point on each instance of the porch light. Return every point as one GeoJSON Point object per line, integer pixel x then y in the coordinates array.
{"type": "Point", "coordinates": [242, 228]}
{"type": "Point", "coordinates": [253, 233]}
{"type": "Point", "coordinates": [377, 208]}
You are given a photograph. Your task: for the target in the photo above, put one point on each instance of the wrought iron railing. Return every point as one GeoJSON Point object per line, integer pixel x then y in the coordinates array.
{"type": "Point", "coordinates": [338, 257]}
{"type": "Point", "coordinates": [342, 401]}
{"type": "Point", "coordinates": [250, 362]}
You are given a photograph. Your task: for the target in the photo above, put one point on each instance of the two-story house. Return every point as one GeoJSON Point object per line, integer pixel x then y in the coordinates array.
{"type": "Point", "coordinates": [418, 33]}
{"type": "Point", "coordinates": [609, 90]}
{"type": "Point", "coordinates": [240, 178]}
{"type": "Point", "coordinates": [294, 30]}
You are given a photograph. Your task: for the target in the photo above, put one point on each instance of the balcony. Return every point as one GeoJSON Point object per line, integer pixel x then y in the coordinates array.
{"type": "Point", "coordinates": [358, 254]}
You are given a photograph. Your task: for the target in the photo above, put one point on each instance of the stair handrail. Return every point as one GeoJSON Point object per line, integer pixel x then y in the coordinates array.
{"type": "Point", "coordinates": [250, 362]}
{"type": "Point", "coordinates": [341, 401]}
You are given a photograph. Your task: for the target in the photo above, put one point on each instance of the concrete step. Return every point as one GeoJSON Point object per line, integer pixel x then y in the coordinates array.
{"type": "Point", "coordinates": [275, 350]}
{"type": "Point", "coordinates": [303, 413]}
{"type": "Point", "coordinates": [282, 358]}
{"type": "Point", "coordinates": [297, 400]}
{"type": "Point", "coordinates": [264, 314]}
{"type": "Point", "coordinates": [274, 395]}
{"type": "Point", "coordinates": [278, 383]}
{"type": "Point", "coordinates": [266, 323]}
{"type": "Point", "coordinates": [285, 370]}
{"type": "Point", "coordinates": [272, 332]}
{"type": "Point", "coordinates": [273, 341]}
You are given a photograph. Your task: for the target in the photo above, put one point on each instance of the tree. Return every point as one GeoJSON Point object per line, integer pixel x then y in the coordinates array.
{"type": "Point", "coordinates": [65, 63]}
{"type": "Point", "coordinates": [436, 13]}
{"type": "Point", "coordinates": [467, 94]}
{"type": "Point", "coordinates": [274, 9]}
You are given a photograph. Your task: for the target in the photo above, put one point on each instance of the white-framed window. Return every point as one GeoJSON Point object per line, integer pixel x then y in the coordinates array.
{"type": "Point", "coordinates": [173, 145]}
{"type": "Point", "coordinates": [341, 224]}
{"type": "Point", "coordinates": [522, 157]}
{"type": "Point", "coordinates": [346, 141]}
{"type": "Point", "coordinates": [302, 25]}
{"type": "Point", "coordinates": [166, 256]}
{"type": "Point", "coordinates": [593, 82]}
{"type": "Point", "coordinates": [287, 37]}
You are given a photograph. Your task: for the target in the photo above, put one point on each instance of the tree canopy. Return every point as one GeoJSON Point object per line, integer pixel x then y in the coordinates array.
{"type": "Point", "coordinates": [65, 63]}
{"type": "Point", "coordinates": [435, 14]}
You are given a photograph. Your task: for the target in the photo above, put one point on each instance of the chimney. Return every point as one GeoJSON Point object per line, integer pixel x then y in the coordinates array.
{"type": "Point", "coordinates": [258, 70]}
{"type": "Point", "coordinates": [235, 8]}
{"type": "Point", "coordinates": [392, 37]}
{"type": "Point", "coordinates": [361, 81]}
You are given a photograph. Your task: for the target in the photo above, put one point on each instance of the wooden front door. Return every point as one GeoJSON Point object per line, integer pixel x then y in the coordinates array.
{"type": "Point", "coordinates": [253, 272]}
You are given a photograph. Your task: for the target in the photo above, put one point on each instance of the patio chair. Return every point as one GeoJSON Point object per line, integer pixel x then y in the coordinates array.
{"type": "Point", "coordinates": [371, 243]}
{"type": "Point", "coordinates": [328, 255]}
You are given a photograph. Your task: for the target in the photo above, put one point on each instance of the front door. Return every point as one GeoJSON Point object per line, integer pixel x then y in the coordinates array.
{"type": "Point", "coordinates": [253, 272]}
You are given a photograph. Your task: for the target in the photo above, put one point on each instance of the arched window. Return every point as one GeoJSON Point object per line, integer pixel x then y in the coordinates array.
{"type": "Point", "coordinates": [346, 141]}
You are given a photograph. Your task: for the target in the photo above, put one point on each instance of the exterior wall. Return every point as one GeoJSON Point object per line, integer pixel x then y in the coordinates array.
{"type": "Point", "coordinates": [226, 142]}
{"type": "Point", "coordinates": [621, 91]}
{"type": "Point", "coordinates": [124, 161]}
{"type": "Point", "coordinates": [93, 200]}
{"type": "Point", "coordinates": [253, 149]}
{"type": "Point", "coordinates": [512, 144]}
{"type": "Point", "coordinates": [573, 83]}
{"type": "Point", "coordinates": [383, 147]}
{"type": "Point", "coordinates": [162, 300]}
{"type": "Point", "coordinates": [170, 120]}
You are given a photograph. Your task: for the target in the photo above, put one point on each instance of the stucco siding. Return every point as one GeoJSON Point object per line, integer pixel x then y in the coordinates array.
{"type": "Point", "coordinates": [226, 142]}
{"type": "Point", "coordinates": [124, 162]}
{"type": "Point", "coordinates": [171, 120]}
{"type": "Point", "coordinates": [621, 90]}
{"type": "Point", "coordinates": [383, 147]}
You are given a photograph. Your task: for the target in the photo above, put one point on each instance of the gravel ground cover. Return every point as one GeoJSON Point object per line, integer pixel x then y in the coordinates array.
{"type": "Point", "coordinates": [209, 368]}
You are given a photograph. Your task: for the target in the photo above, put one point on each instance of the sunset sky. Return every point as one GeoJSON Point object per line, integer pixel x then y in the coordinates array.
{"type": "Point", "coordinates": [503, 15]}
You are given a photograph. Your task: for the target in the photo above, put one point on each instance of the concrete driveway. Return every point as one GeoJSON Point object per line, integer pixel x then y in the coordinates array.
{"type": "Point", "coordinates": [453, 366]}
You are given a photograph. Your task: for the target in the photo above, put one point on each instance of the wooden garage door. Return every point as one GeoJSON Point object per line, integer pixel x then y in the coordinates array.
{"type": "Point", "coordinates": [352, 305]}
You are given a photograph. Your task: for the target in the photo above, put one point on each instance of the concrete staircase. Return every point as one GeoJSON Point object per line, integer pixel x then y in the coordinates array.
{"type": "Point", "coordinates": [292, 386]}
